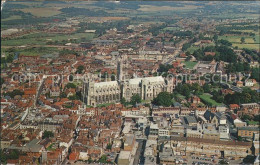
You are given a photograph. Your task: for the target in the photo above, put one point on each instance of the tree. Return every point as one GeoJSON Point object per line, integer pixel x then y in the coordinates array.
{"type": "Point", "coordinates": [242, 40]}
{"type": "Point", "coordinates": [14, 93]}
{"type": "Point", "coordinates": [186, 90]}
{"type": "Point", "coordinates": [246, 117]}
{"type": "Point", "coordinates": [135, 99]}
{"type": "Point", "coordinates": [164, 99]}
{"type": "Point", "coordinates": [109, 146]}
{"type": "Point", "coordinates": [255, 72]}
{"type": "Point", "coordinates": [215, 38]}
{"type": "Point", "coordinates": [223, 162]}
{"type": "Point", "coordinates": [206, 88]}
{"type": "Point", "coordinates": [47, 134]}
{"type": "Point", "coordinates": [63, 95]}
{"type": "Point", "coordinates": [74, 97]}
{"type": "Point", "coordinates": [71, 85]}
{"type": "Point", "coordinates": [103, 159]}
{"type": "Point", "coordinates": [123, 101]}
{"type": "Point", "coordinates": [90, 160]}
{"type": "Point", "coordinates": [80, 69]}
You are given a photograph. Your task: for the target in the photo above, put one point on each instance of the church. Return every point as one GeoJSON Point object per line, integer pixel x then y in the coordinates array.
{"type": "Point", "coordinates": [95, 93]}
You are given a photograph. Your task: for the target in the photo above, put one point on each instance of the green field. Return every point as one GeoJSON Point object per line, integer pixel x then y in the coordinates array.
{"type": "Point", "coordinates": [237, 39]}
{"type": "Point", "coordinates": [207, 98]}
{"type": "Point", "coordinates": [38, 51]}
{"type": "Point", "coordinates": [192, 49]}
{"type": "Point", "coordinates": [171, 29]}
{"type": "Point", "coordinates": [248, 46]}
{"type": "Point", "coordinates": [42, 12]}
{"type": "Point", "coordinates": [13, 17]}
{"type": "Point", "coordinates": [250, 42]}
{"type": "Point", "coordinates": [189, 64]}
{"type": "Point", "coordinates": [257, 38]}
{"type": "Point", "coordinates": [42, 38]}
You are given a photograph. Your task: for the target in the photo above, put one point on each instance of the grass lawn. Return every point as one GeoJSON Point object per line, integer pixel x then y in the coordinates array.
{"type": "Point", "coordinates": [253, 122]}
{"type": "Point", "coordinates": [50, 148]}
{"type": "Point", "coordinates": [190, 64]}
{"type": "Point", "coordinates": [207, 98]}
{"type": "Point", "coordinates": [180, 96]}
{"type": "Point", "coordinates": [104, 105]}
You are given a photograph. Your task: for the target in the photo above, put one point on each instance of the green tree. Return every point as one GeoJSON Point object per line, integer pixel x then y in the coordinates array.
{"type": "Point", "coordinates": [186, 90]}
{"type": "Point", "coordinates": [242, 40]}
{"type": "Point", "coordinates": [47, 134]}
{"type": "Point", "coordinates": [109, 146]}
{"type": "Point", "coordinates": [246, 117]}
{"type": "Point", "coordinates": [123, 101]}
{"type": "Point", "coordinates": [206, 88]}
{"type": "Point", "coordinates": [103, 159]}
{"type": "Point", "coordinates": [164, 99]}
{"type": "Point", "coordinates": [135, 99]}
{"type": "Point", "coordinates": [71, 85]}
{"type": "Point", "coordinates": [255, 74]}
{"type": "Point", "coordinates": [80, 69]}
{"type": "Point", "coordinates": [215, 37]}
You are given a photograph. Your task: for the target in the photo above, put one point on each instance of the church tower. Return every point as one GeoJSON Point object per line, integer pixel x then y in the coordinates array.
{"type": "Point", "coordinates": [119, 70]}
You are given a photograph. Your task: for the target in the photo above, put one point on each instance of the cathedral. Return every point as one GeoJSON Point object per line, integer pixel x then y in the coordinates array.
{"type": "Point", "coordinates": [112, 91]}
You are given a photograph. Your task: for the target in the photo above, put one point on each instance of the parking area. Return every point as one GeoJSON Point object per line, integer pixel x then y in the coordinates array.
{"type": "Point", "coordinates": [202, 160]}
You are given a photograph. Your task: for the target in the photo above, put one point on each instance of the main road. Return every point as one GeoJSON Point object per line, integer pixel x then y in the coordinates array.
{"type": "Point", "coordinates": [176, 53]}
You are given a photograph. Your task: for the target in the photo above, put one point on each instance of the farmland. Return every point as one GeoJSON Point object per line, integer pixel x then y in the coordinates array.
{"type": "Point", "coordinates": [42, 38]}
{"type": "Point", "coordinates": [42, 12]}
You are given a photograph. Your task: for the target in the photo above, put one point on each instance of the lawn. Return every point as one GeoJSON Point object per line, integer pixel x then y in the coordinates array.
{"type": "Point", "coordinates": [253, 122]}
{"type": "Point", "coordinates": [50, 148]}
{"type": "Point", "coordinates": [207, 98]}
{"type": "Point", "coordinates": [104, 105]}
{"type": "Point", "coordinates": [190, 64]}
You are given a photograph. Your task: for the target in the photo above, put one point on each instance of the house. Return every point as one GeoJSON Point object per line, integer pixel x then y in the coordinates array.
{"type": "Point", "coordinates": [74, 156]}
{"type": "Point", "coordinates": [55, 92]}
{"type": "Point", "coordinates": [210, 53]}
{"type": "Point", "coordinates": [239, 84]}
{"type": "Point", "coordinates": [250, 82]}
{"type": "Point", "coordinates": [210, 117]}
{"type": "Point", "coordinates": [247, 131]}
{"type": "Point", "coordinates": [70, 92]}
{"type": "Point", "coordinates": [194, 99]}
{"type": "Point", "coordinates": [234, 106]}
